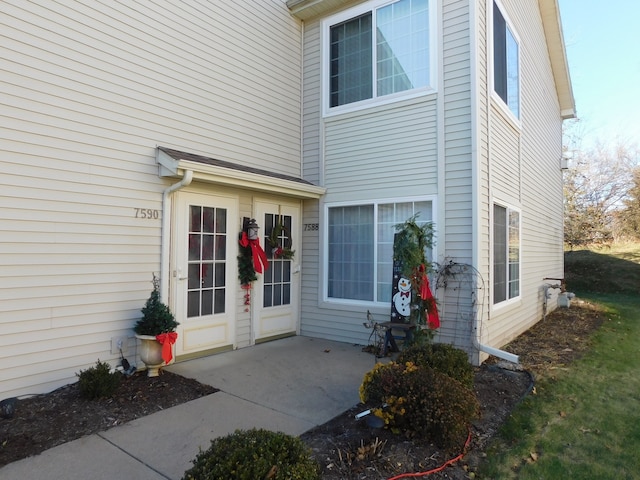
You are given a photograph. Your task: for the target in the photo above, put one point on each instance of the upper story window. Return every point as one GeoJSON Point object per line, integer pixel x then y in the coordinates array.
{"type": "Point", "coordinates": [377, 50]}
{"type": "Point", "coordinates": [506, 62]}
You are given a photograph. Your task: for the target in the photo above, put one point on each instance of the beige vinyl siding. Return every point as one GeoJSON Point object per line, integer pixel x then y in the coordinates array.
{"type": "Point", "coordinates": [540, 179]}
{"type": "Point", "coordinates": [226, 77]}
{"type": "Point", "coordinates": [483, 208]}
{"type": "Point", "coordinates": [243, 318]}
{"type": "Point", "coordinates": [88, 92]}
{"type": "Point", "coordinates": [457, 193]}
{"type": "Point", "coordinates": [391, 148]}
{"type": "Point", "coordinates": [505, 157]}
{"type": "Point", "coordinates": [456, 90]}
{"type": "Point", "coordinates": [312, 320]}
{"type": "Point", "coordinates": [311, 130]}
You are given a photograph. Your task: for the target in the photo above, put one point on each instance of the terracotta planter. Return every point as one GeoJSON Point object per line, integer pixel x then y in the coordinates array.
{"type": "Point", "coordinates": [151, 354]}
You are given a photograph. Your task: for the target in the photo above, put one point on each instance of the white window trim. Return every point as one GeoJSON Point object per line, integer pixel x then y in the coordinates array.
{"type": "Point", "coordinates": [497, 99]}
{"type": "Point", "coordinates": [328, 301]}
{"type": "Point", "coordinates": [434, 50]}
{"type": "Point", "coordinates": [517, 299]}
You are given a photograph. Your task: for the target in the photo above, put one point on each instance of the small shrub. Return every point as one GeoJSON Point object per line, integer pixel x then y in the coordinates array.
{"type": "Point", "coordinates": [254, 454]}
{"type": "Point", "coordinates": [156, 316]}
{"type": "Point", "coordinates": [421, 402]}
{"type": "Point", "coordinates": [98, 381]}
{"type": "Point", "coordinates": [443, 358]}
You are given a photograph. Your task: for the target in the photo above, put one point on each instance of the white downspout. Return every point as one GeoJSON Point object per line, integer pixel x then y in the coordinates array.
{"type": "Point", "coordinates": [496, 352]}
{"type": "Point", "coordinates": [477, 200]}
{"type": "Point", "coordinates": [187, 178]}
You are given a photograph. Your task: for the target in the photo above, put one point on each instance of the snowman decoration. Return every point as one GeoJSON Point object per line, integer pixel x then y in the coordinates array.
{"type": "Point", "coordinates": [402, 299]}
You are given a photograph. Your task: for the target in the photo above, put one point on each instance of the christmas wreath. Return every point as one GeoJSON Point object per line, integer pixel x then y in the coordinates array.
{"type": "Point", "coordinates": [280, 242]}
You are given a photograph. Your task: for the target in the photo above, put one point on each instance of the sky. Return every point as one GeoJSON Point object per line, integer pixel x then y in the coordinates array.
{"type": "Point", "coordinates": [602, 41]}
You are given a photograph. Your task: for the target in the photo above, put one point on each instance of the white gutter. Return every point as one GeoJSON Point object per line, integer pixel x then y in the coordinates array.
{"type": "Point", "coordinates": [475, 177]}
{"type": "Point", "coordinates": [187, 178]}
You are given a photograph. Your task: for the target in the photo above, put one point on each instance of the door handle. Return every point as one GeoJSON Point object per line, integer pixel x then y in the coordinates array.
{"type": "Point", "coordinates": [177, 274]}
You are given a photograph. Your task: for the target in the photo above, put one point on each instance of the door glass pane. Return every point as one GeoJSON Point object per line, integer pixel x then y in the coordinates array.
{"type": "Point", "coordinates": [221, 220]}
{"type": "Point", "coordinates": [286, 293]}
{"type": "Point", "coordinates": [194, 276]}
{"type": "Point", "coordinates": [221, 247]}
{"type": "Point", "coordinates": [268, 295]}
{"type": "Point", "coordinates": [194, 246]}
{"type": "Point", "coordinates": [220, 270]}
{"type": "Point", "coordinates": [277, 278]}
{"type": "Point", "coordinates": [208, 220]}
{"type": "Point", "coordinates": [286, 272]}
{"type": "Point", "coordinates": [207, 275]}
{"type": "Point", "coordinates": [207, 247]}
{"type": "Point", "coordinates": [277, 272]}
{"type": "Point", "coordinates": [206, 261]}
{"type": "Point", "coordinates": [219, 299]}
{"type": "Point", "coordinates": [193, 304]}
{"type": "Point", "coordinates": [277, 294]}
{"type": "Point", "coordinates": [207, 302]}
{"type": "Point", "coordinates": [195, 219]}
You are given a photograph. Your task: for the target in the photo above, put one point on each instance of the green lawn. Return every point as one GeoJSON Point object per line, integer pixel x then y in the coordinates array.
{"type": "Point", "coordinates": [584, 423]}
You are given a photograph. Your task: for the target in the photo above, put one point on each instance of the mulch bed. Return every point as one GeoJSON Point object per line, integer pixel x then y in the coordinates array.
{"type": "Point", "coordinates": [44, 421]}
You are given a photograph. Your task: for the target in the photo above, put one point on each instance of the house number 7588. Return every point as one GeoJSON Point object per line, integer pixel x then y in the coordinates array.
{"type": "Point", "coordinates": [147, 213]}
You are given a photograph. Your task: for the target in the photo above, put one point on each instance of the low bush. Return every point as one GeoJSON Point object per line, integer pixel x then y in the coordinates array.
{"type": "Point", "coordinates": [98, 381]}
{"type": "Point", "coordinates": [420, 401]}
{"type": "Point", "coordinates": [443, 358]}
{"type": "Point", "coordinates": [254, 454]}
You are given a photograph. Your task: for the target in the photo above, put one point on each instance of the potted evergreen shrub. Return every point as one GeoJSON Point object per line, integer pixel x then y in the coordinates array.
{"type": "Point", "coordinates": [156, 332]}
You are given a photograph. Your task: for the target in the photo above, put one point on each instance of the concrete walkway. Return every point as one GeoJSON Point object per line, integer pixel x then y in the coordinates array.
{"type": "Point", "coordinates": [288, 385]}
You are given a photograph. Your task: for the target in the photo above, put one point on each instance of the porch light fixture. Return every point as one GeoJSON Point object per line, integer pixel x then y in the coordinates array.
{"type": "Point", "coordinates": [253, 230]}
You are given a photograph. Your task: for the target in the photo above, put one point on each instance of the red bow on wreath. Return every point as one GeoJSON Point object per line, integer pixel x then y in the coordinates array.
{"type": "Point", "coordinates": [166, 340]}
{"type": "Point", "coordinates": [259, 257]}
{"type": "Point", "coordinates": [433, 319]}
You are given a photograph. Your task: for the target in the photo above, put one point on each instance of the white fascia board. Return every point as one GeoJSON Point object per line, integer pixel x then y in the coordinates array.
{"type": "Point", "coordinates": [170, 167]}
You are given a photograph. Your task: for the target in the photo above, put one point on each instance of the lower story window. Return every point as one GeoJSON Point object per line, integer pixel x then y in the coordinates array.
{"type": "Point", "coordinates": [360, 247]}
{"type": "Point", "coordinates": [506, 254]}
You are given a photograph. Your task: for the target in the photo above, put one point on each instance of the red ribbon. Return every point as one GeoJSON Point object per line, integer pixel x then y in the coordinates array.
{"type": "Point", "coordinates": [259, 257]}
{"type": "Point", "coordinates": [166, 340]}
{"type": "Point", "coordinates": [433, 319]}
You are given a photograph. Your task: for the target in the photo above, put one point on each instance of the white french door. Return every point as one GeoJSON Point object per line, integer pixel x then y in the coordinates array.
{"type": "Point", "coordinates": [276, 292]}
{"type": "Point", "coordinates": [205, 270]}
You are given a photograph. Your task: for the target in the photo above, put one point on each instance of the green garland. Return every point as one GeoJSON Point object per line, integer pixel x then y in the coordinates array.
{"type": "Point", "coordinates": [409, 247]}
{"type": "Point", "coordinates": [410, 244]}
{"type": "Point", "coordinates": [246, 271]}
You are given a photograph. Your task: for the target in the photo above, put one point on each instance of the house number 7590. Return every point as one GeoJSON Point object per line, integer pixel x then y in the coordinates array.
{"type": "Point", "coordinates": [147, 213]}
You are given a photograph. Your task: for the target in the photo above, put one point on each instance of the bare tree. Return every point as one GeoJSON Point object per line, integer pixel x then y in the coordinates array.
{"type": "Point", "coordinates": [596, 185]}
{"type": "Point", "coordinates": [628, 219]}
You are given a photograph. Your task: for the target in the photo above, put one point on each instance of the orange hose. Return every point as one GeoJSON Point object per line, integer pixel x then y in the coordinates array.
{"type": "Point", "coordinates": [438, 469]}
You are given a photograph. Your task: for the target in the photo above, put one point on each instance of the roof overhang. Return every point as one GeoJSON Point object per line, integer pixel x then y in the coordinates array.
{"type": "Point", "coordinates": [307, 9]}
{"type": "Point", "coordinates": [174, 163]}
{"type": "Point", "coordinates": [555, 43]}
